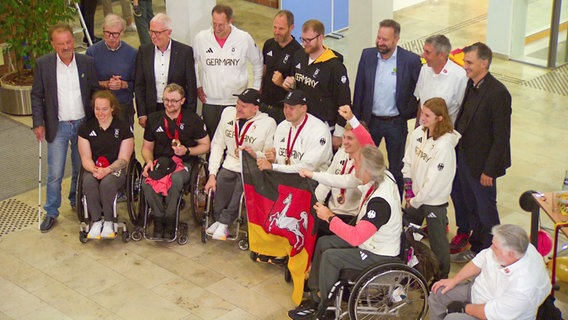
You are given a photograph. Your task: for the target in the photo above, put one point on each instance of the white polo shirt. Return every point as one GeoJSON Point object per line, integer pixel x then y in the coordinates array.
{"type": "Point", "coordinates": [449, 84]}
{"type": "Point", "coordinates": [512, 292]}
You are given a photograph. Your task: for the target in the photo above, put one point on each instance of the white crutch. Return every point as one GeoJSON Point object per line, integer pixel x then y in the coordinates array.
{"type": "Point", "coordinates": [39, 190]}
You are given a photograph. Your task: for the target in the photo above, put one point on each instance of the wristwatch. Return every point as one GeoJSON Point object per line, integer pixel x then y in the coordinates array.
{"type": "Point", "coordinates": [330, 218]}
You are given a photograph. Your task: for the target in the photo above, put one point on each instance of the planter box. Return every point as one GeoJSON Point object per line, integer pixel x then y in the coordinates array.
{"type": "Point", "coordinates": [15, 100]}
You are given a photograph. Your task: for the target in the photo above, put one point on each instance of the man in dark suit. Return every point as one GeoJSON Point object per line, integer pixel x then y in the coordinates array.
{"type": "Point", "coordinates": [63, 85]}
{"type": "Point", "coordinates": [176, 65]}
{"type": "Point", "coordinates": [384, 93]}
{"type": "Point", "coordinates": [483, 152]}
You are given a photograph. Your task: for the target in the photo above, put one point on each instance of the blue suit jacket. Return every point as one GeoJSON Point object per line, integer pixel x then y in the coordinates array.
{"type": "Point", "coordinates": [45, 106]}
{"type": "Point", "coordinates": [407, 70]}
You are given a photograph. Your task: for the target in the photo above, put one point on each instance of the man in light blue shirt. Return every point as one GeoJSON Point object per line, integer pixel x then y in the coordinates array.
{"type": "Point", "coordinates": [384, 93]}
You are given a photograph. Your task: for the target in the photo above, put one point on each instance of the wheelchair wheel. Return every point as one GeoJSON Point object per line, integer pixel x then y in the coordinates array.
{"type": "Point", "coordinates": [198, 196]}
{"type": "Point", "coordinates": [244, 244]}
{"type": "Point", "coordinates": [136, 235]}
{"type": "Point", "coordinates": [134, 191]}
{"type": "Point", "coordinates": [389, 290]}
{"type": "Point", "coordinates": [79, 197]}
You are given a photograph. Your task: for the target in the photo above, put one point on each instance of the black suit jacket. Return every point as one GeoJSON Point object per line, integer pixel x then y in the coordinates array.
{"type": "Point", "coordinates": [407, 70]}
{"type": "Point", "coordinates": [486, 136]}
{"type": "Point", "coordinates": [45, 107]}
{"type": "Point", "coordinates": [181, 71]}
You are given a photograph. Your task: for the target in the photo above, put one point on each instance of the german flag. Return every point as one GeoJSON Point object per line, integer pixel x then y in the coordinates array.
{"type": "Point", "coordinates": [281, 217]}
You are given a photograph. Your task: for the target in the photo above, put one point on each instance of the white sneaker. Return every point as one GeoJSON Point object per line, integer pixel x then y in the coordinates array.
{"type": "Point", "coordinates": [131, 28]}
{"type": "Point", "coordinates": [222, 232]}
{"type": "Point", "coordinates": [95, 232]}
{"type": "Point", "coordinates": [212, 228]}
{"type": "Point", "coordinates": [108, 230]}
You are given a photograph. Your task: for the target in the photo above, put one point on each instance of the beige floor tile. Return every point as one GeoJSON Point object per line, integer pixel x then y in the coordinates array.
{"type": "Point", "coordinates": [199, 301]}
{"type": "Point", "coordinates": [129, 300]}
{"type": "Point", "coordinates": [47, 313]}
{"type": "Point", "coordinates": [238, 314]}
{"type": "Point", "coordinates": [16, 302]}
{"type": "Point", "coordinates": [71, 303]}
{"type": "Point", "coordinates": [254, 303]}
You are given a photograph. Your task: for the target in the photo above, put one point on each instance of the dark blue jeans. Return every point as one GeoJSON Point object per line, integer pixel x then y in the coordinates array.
{"type": "Point", "coordinates": [394, 131]}
{"type": "Point", "coordinates": [475, 203]}
{"type": "Point", "coordinates": [56, 156]}
{"type": "Point", "coordinates": [143, 22]}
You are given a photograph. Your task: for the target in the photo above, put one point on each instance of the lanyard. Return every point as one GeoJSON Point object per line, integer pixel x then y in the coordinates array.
{"type": "Point", "coordinates": [176, 132]}
{"type": "Point", "coordinates": [289, 147]}
{"type": "Point", "coordinates": [341, 195]}
{"type": "Point", "coordinates": [240, 138]}
{"type": "Point", "coordinates": [367, 195]}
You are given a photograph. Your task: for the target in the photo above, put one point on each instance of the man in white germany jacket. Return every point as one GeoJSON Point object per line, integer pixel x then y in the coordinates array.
{"type": "Point", "coordinates": [221, 56]}
{"type": "Point", "coordinates": [302, 141]}
{"type": "Point", "coordinates": [242, 128]}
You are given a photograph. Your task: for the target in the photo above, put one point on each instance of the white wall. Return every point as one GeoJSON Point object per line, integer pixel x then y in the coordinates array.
{"type": "Point", "coordinates": [193, 13]}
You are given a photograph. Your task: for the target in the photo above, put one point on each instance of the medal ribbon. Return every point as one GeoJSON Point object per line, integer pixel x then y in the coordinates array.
{"type": "Point", "coordinates": [167, 126]}
{"type": "Point", "coordinates": [367, 195]}
{"type": "Point", "coordinates": [290, 148]}
{"type": "Point", "coordinates": [240, 138]}
{"type": "Point", "coordinates": [342, 190]}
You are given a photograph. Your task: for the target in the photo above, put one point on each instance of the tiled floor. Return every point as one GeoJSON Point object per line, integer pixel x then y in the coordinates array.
{"type": "Point", "coordinates": [54, 276]}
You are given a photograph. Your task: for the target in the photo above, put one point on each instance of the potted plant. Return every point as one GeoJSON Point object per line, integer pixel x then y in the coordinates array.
{"type": "Point", "coordinates": [24, 27]}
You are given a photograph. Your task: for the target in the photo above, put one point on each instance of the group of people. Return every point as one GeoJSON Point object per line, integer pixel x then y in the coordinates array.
{"type": "Point", "coordinates": [295, 116]}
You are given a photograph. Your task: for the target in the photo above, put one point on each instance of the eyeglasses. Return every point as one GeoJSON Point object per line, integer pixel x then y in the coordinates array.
{"type": "Point", "coordinates": [112, 34]}
{"type": "Point", "coordinates": [308, 40]}
{"type": "Point", "coordinates": [172, 100]}
{"type": "Point", "coordinates": [157, 33]}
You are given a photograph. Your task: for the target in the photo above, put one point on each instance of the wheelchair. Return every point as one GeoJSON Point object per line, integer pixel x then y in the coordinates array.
{"type": "Point", "coordinates": [388, 290]}
{"type": "Point", "coordinates": [206, 219]}
{"type": "Point", "coordinates": [141, 213]}
{"type": "Point", "coordinates": [83, 212]}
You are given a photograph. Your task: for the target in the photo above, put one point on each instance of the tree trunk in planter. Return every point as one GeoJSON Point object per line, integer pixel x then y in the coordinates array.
{"type": "Point", "coordinates": [15, 99]}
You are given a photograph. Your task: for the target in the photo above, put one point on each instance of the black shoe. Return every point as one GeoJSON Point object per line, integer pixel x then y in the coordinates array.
{"type": "Point", "coordinates": [158, 227]}
{"type": "Point", "coordinates": [137, 10]}
{"type": "Point", "coordinates": [305, 311]}
{"type": "Point", "coordinates": [170, 228]}
{"type": "Point", "coordinates": [47, 224]}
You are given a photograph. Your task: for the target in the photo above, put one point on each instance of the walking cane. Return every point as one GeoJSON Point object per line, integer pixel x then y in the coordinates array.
{"type": "Point", "coordinates": [39, 190]}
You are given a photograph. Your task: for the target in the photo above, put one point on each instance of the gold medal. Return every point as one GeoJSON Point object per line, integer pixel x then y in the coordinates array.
{"type": "Point", "coordinates": [175, 143]}
{"type": "Point", "coordinates": [287, 161]}
{"type": "Point", "coordinates": [237, 152]}
{"type": "Point", "coordinates": [340, 198]}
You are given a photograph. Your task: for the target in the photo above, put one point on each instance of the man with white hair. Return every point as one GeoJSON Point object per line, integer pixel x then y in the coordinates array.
{"type": "Point", "coordinates": [511, 282]}
{"type": "Point", "coordinates": [160, 63]}
{"type": "Point", "coordinates": [115, 61]}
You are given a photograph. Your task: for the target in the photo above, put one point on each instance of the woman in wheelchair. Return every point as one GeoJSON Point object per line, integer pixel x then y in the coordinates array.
{"type": "Point", "coordinates": [105, 146]}
{"type": "Point", "coordinates": [375, 238]}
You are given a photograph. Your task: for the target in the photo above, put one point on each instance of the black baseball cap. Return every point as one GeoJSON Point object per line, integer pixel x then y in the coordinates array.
{"type": "Point", "coordinates": [162, 167]}
{"type": "Point", "coordinates": [250, 95]}
{"type": "Point", "coordinates": [295, 97]}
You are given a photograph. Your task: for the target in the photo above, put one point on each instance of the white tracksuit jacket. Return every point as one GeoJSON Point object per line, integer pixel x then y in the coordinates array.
{"type": "Point", "coordinates": [259, 136]}
{"type": "Point", "coordinates": [223, 72]}
{"type": "Point", "coordinates": [352, 195]}
{"type": "Point", "coordinates": [431, 165]}
{"type": "Point", "coordinates": [312, 149]}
